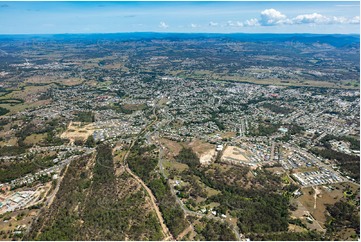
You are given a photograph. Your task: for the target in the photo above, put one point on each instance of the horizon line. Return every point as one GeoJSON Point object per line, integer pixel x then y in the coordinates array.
{"type": "Point", "coordinates": [152, 32]}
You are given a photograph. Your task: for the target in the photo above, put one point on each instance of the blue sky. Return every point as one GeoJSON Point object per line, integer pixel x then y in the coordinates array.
{"type": "Point", "coordinates": [186, 17]}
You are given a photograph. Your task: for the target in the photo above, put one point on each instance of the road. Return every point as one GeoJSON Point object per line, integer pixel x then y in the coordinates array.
{"type": "Point", "coordinates": [185, 232]}
{"type": "Point", "coordinates": [153, 199]}
{"type": "Point", "coordinates": [154, 205]}
{"type": "Point", "coordinates": [166, 232]}
{"type": "Point", "coordinates": [188, 212]}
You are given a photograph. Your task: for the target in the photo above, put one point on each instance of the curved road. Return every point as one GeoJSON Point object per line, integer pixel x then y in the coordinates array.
{"type": "Point", "coordinates": [167, 234]}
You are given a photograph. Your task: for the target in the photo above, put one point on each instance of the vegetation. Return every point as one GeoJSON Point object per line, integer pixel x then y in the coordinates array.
{"type": "Point", "coordinates": [108, 218]}
{"type": "Point", "coordinates": [188, 157]}
{"type": "Point", "coordinates": [288, 236]}
{"type": "Point", "coordinates": [173, 215]}
{"type": "Point", "coordinates": [3, 111]}
{"type": "Point", "coordinates": [277, 109]}
{"type": "Point", "coordinates": [53, 140]}
{"type": "Point", "coordinates": [259, 209]}
{"type": "Point", "coordinates": [212, 230]}
{"type": "Point", "coordinates": [95, 209]}
{"type": "Point", "coordinates": [349, 164]}
{"type": "Point", "coordinates": [214, 118]}
{"type": "Point", "coordinates": [90, 142]}
{"type": "Point", "coordinates": [343, 215]}
{"type": "Point", "coordinates": [264, 129]}
{"type": "Point", "coordinates": [13, 170]}
{"type": "Point", "coordinates": [85, 117]}
{"type": "Point", "coordinates": [128, 108]}
{"type": "Point", "coordinates": [354, 143]}
{"type": "Point", "coordinates": [12, 150]}
{"type": "Point", "coordinates": [143, 162]}
{"type": "Point", "coordinates": [60, 221]}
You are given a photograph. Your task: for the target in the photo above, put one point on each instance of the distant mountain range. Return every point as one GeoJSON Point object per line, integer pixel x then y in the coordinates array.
{"type": "Point", "coordinates": [337, 40]}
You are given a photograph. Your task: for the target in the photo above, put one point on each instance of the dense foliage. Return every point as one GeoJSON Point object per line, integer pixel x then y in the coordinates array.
{"type": "Point", "coordinates": [277, 109]}
{"type": "Point", "coordinates": [354, 143]}
{"type": "Point", "coordinates": [12, 150]}
{"type": "Point", "coordinates": [264, 129]}
{"type": "Point", "coordinates": [172, 213]}
{"type": "Point", "coordinates": [188, 157]}
{"type": "Point", "coordinates": [90, 142]}
{"type": "Point", "coordinates": [214, 231]}
{"type": "Point", "coordinates": [59, 222]}
{"type": "Point", "coordinates": [287, 236]}
{"type": "Point", "coordinates": [259, 209]}
{"type": "Point", "coordinates": [143, 163]}
{"type": "Point", "coordinates": [12, 170]}
{"type": "Point", "coordinates": [85, 116]}
{"type": "Point", "coordinates": [95, 208]}
{"type": "Point", "coordinates": [343, 215]}
{"type": "Point", "coordinates": [3, 111]}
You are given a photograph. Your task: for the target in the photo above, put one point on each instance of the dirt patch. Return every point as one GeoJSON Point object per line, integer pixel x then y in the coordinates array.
{"type": "Point", "coordinates": [234, 153]}
{"type": "Point", "coordinates": [11, 142]}
{"type": "Point", "coordinates": [76, 131]}
{"type": "Point", "coordinates": [295, 228]}
{"type": "Point", "coordinates": [173, 146]}
{"type": "Point", "coordinates": [302, 213]}
{"type": "Point", "coordinates": [207, 157]}
{"type": "Point", "coordinates": [276, 170]}
{"type": "Point", "coordinates": [316, 200]}
{"type": "Point", "coordinates": [227, 135]}
{"type": "Point", "coordinates": [52, 79]}
{"type": "Point", "coordinates": [199, 147]}
{"type": "Point", "coordinates": [134, 107]}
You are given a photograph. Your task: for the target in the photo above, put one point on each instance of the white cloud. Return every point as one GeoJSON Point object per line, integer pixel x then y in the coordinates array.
{"type": "Point", "coordinates": [252, 22]}
{"type": "Point", "coordinates": [272, 17]}
{"type": "Point", "coordinates": [235, 24]}
{"type": "Point", "coordinates": [163, 25]}
{"type": "Point", "coordinates": [316, 18]}
{"type": "Point", "coordinates": [313, 18]}
{"type": "Point", "coordinates": [213, 24]}
{"type": "Point", "coordinates": [339, 20]}
{"type": "Point", "coordinates": [347, 5]}
{"type": "Point", "coordinates": [355, 20]}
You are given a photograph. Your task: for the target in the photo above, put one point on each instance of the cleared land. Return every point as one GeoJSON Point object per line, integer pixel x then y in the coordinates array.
{"type": "Point", "coordinates": [77, 131]}
{"type": "Point", "coordinates": [234, 153]}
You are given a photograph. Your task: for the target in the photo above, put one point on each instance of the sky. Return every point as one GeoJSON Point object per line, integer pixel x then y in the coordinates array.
{"type": "Point", "coordinates": [186, 17]}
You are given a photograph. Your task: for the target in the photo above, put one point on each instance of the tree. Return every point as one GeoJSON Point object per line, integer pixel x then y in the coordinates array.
{"type": "Point", "coordinates": [90, 142]}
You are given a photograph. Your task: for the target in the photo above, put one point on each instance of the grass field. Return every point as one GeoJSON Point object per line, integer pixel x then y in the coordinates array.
{"type": "Point", "coordinates": [173, 146]}
{"type": "Point", "coordinates": [53, 79]}
{"type": "Point", "coordinates": [14, 108]}
{"type": "Point", "coordinates": [11, 142]}
{"type": "Point", "coordinates": [134, 107]}
{"type": "Point", "coordinates": [199, 147]}
{"type": "Point", "coordinates": [317, 207]}
{"type": "Point", "coordinates": [227, 135]}
{"type": "Point", "coordinates": [34, 139]}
